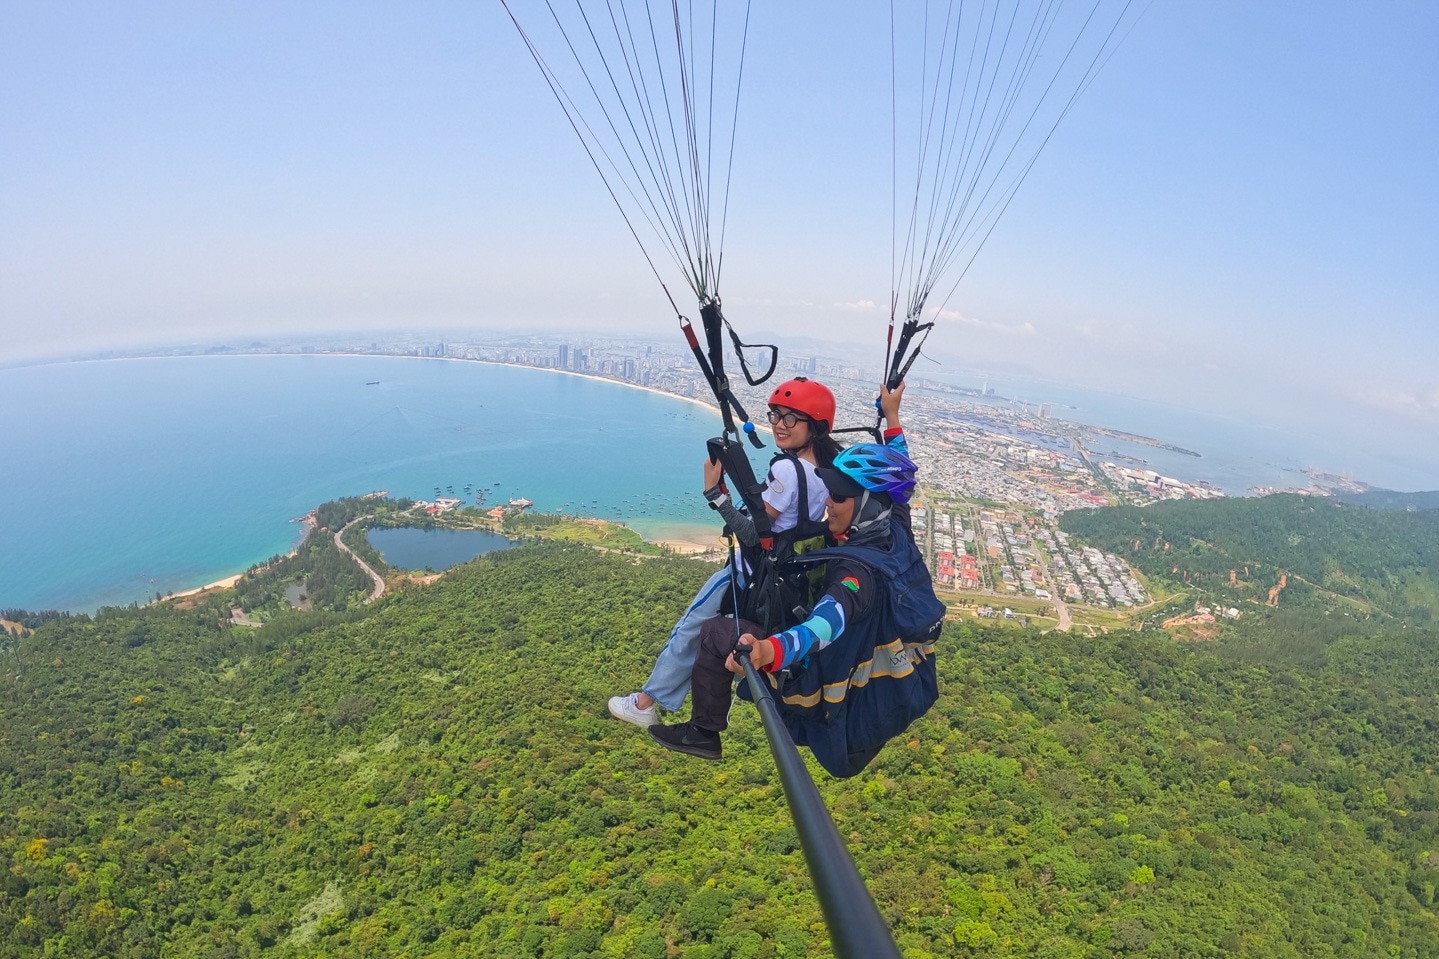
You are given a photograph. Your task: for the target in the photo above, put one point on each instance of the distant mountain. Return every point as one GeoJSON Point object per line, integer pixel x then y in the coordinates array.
{"type": "Point", "coordinates": [435, 775]}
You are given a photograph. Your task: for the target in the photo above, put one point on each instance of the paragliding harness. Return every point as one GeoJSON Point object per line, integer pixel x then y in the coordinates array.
{"type": "Point", "coordinates": [711, 363]}
{"type": "Point", "coordinates": [780, 592]}
{"type": "Point", "coordinates": [775, 593]}
{"type": "Point", "coordinates": [879, 675]}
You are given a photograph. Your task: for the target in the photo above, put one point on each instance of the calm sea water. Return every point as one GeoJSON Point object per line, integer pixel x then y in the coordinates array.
{"type": "Point", "coordinates": [126, 478]}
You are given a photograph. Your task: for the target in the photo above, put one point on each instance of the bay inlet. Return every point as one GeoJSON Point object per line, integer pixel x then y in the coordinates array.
{"type": "Point", "coordinates": [131, 478]}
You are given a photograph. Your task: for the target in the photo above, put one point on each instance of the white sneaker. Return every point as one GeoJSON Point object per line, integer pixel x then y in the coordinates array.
{"type": "Point", "coordinates": [628, 709]}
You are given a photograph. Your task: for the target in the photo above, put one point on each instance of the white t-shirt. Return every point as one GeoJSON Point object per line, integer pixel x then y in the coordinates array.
{"type": "Point", "coordinates": [782, 492]}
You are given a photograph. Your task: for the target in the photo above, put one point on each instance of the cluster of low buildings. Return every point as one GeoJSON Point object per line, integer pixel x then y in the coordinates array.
{"type": "Point", "coordinates": [1084, 574]}
{"type": "Point", "coordinates": [1007, 541]}
{"type": "Point", "coordinates": [1015, 552]}
{"type": "Point", "coordinates": [441, 504]}
{"type": "Point", "coordinates": [1142, 486]}
{"type": "Point", "coordinates": [951, 561]}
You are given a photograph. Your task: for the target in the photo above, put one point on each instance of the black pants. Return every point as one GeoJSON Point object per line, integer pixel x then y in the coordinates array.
{"type": "Point", "coordinates": [712, 686]}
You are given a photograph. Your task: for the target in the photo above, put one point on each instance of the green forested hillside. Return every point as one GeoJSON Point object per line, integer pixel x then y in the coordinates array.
{"type": "Point", "coordinates": [1331, 554]}
{"type": "Point", "coordinates": [1391, 499]}
{"type": "Point", "coordinates": [436, 775]}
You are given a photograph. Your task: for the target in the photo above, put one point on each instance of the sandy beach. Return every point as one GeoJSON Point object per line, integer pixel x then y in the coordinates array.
{"type": "Point", "coordinates": [225, 583]}
{"type": "Point", "coordinates": [685, 547]}
{"type": "Point", "coordinates": [229, 581]}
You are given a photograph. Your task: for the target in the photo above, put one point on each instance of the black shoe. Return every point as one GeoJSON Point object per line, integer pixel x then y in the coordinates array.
{"type": "Point", "coordinates": [687, 738]}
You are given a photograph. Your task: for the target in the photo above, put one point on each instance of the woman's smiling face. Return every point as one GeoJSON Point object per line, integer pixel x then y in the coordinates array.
{"type": "Point", "coordinates": [791, 437]}
{"type": "Point", "coordinates": [839, 514]}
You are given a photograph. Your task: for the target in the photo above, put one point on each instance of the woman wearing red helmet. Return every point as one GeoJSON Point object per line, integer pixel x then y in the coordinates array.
{"type": "Point", "coordinates": [861, 666]}
{"type": "Point", "coordinates": [801, 412]}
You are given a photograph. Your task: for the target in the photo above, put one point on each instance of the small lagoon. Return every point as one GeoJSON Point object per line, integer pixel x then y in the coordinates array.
{"type": "Point", "coordinates": [433, 549]}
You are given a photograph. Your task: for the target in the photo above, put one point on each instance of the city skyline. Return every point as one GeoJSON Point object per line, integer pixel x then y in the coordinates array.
{"type": "Point", "coordinates": [1238, 457]}
{"type": "Point", "coordinates": [1240, 214]}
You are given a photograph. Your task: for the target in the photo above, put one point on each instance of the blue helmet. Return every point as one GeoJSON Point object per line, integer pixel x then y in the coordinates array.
{"type": "Point", "coordinates": [870, 467]}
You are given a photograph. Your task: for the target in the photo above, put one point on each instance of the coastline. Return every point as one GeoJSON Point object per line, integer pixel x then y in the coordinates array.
{"type": "Point", "coordinates": [226, 583]}
{"type": "Point", "coordinates": [653, 525]}
{"type": "Point", "coordinates": [679, 542]}
{"type": "Point", "coordinates": [1063, 394]}
{"type": "Point", "coordinates": [229, 582]}
{"type": "Point", "coordinates": [696, 401]}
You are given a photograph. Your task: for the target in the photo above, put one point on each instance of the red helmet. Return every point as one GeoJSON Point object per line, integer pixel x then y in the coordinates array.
{"type": "Point", "coordinates": [808, 397]}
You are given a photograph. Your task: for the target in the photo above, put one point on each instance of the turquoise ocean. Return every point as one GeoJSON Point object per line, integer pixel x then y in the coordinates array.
{"type": "Point", "coordinates": [121, 479]}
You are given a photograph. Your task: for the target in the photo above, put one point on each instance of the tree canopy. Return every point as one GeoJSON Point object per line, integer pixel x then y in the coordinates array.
{"type": "Point", "coordinates": [436, 775]}
{"type": "Point", "coordinates": [1331, 556]}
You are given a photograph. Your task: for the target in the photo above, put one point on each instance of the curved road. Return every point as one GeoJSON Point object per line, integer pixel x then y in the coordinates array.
{"type": "Point", "coordinates": [1065, 623]}
{"type": "Point", "coordinates": [379, 589]}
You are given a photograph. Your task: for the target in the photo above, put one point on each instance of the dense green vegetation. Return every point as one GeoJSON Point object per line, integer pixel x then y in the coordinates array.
{"type": "Point", "coordinates": [1334, 557]}
{"type": "Point", "coordinates": [590, 532]}
{"type": "Point", "coordinates": [325, 577]}
{"type": "Point", "coordinates": [29, 619]}
{"type": "Point", "coordinates": [1390, 499]}
{"type": "Point", "coordinates": [318, 576]}
{"type": "Point", "coordinates": [435, 775]}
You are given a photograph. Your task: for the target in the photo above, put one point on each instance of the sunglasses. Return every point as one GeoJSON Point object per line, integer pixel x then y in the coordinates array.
{"type": "Point", "coordinates": [788, 418]}
{"type": "Point", "coordinates": [838, 500]}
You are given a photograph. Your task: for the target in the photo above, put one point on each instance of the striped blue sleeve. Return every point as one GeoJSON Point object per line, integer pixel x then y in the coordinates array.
{"type": "Point", "coordinates": [895, 440]}
{"type": "Point", "coordinates": [824, 626]}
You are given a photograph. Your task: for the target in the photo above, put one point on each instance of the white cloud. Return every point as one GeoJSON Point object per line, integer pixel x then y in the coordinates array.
{"type": "Point", "coordinates": [1421, 404]}
{"type": "Point", "coordinates": [856, 306]}
{"type": "Point", "coordinates": [1025, 329]}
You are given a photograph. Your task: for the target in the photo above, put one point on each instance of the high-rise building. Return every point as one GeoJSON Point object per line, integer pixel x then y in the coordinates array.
{"type": "Point", "coordinates": [564, 358]}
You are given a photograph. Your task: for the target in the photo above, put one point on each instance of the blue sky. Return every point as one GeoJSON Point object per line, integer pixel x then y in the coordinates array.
{"type": "Point", "coordinates": [1242, 214]}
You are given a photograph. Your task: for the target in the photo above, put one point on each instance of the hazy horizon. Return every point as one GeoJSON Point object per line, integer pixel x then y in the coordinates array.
{"type": "Point", "coordinates": [1239, 216]}
{"type": "Point", "coordinates": [1405, 468]}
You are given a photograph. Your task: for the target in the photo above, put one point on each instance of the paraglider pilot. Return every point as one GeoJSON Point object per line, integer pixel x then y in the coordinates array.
{"type": "Point", "coordinates": [860, 668]}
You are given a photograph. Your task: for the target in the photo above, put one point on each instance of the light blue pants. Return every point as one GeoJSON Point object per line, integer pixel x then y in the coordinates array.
{"type": "Point", "coordinates": [669, 681]}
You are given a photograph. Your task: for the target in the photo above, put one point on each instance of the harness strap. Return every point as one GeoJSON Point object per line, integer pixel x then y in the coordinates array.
{"type": "Point", "coordinates": [804, 527]}
{"type": "Point", "coordinates": [740, 347]}
{"type": "Point", "coordinates": [736, 465]}
{"type": "Point", "coordinates": [713, 318]}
